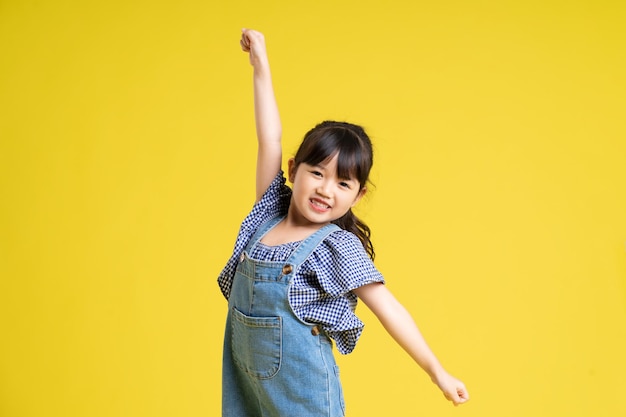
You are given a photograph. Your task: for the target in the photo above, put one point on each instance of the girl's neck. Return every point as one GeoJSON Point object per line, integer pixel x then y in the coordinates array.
{"type": "Point", "coordinates": [290, 230]}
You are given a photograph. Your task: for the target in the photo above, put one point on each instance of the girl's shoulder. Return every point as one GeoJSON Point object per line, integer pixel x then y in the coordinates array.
{"type": "Point", "coordinates": [278, 190]}
{"type": "Point", "coordinates": [341, 264]}
{"type": "Point", "coordinates": [344, 246]}
{"type": "Point", "coordinates": [342, 236]}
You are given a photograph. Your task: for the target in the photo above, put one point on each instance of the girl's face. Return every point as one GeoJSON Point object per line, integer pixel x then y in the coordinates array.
{"type": "Point", "coordinates": [319, 195]}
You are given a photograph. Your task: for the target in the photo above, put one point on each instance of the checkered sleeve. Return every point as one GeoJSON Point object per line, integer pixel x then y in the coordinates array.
{"type": "Point", "coordinates": [275, 201]}
{"type": "Point", "coordinates": [338, 266]}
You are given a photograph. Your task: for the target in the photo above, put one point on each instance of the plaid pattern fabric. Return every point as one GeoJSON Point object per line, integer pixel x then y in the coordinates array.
{"type": "Point", "coordinates": [321, 289]}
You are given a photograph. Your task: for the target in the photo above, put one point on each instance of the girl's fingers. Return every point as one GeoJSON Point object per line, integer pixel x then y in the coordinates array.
{"type": "Point", "coordinates": [245, 40]}
{"type": "Point", "coordinates": [250, 36]}
{"type": "Point", "coordinates": [246, 34]}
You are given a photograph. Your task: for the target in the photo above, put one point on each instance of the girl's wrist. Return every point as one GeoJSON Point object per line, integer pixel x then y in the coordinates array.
{"type": "Point", "coordinates": [437, 374]}
{"type": "Point", "coordinates": [261, 71]}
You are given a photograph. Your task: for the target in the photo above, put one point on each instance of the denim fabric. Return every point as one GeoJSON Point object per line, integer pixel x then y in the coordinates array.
{"type": "Point", "coordinates": [275, 364]}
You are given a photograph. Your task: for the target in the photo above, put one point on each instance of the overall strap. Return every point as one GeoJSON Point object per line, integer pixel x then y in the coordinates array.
{"type": "Point", "coordinates": [308, 245]}
{"type": "Point", "coordinates": [262, 230]}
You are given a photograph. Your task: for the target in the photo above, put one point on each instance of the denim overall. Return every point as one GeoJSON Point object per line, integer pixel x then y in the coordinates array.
{"type": "Point", "coordinates": [275, 364]}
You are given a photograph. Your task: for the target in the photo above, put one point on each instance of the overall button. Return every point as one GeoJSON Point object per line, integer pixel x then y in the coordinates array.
{"type": "Point", "coordinates": [287, 269]}
{"type": "Point", "coordinates": [242, 258]}
{"type": "Point", "coordinates": [315, 330]}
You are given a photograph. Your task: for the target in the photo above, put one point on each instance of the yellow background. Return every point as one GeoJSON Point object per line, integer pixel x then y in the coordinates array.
{"type": "Point", "coordinates": [498, 211]}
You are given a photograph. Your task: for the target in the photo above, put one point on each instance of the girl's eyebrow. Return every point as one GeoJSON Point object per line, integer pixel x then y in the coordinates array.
{"type": "Point", "coordinates": [322, 165]}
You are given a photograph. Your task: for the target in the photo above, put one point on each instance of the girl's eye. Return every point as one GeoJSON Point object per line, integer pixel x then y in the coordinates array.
{"type": "Point", "coordinates": [316, 173]}
{"type": "Point", "coordinates": [344, 184]}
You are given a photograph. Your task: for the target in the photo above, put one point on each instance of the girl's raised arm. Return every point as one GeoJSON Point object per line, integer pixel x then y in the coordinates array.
{"type": "Point", "coordinates": [268, 126]}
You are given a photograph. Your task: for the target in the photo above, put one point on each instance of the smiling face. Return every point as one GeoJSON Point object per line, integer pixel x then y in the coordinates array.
{"type": "Point", "coordinates": [320, 195]}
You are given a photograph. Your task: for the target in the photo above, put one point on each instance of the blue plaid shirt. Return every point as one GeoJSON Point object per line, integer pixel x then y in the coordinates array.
{"type": "Point", "coordinates": [321, 291]}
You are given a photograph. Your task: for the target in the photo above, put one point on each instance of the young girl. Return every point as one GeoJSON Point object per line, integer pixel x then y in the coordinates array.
{"type": "Point", "coordinates": [300, 262]}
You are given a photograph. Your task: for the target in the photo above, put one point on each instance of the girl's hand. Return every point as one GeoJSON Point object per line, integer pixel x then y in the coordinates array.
{"type": "Point", "coordinates": [453, 389]}
{"type": "Point", "coordinates": [253, 42]}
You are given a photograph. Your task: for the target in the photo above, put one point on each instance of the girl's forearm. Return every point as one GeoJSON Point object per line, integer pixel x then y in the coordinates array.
{"type": "Point", "coordinates": [401, 326]}
{"type": "Point", "coordinates": [268, 125]}
{"type": "Point", "coordinates": [269, 131]}
{"type": "Point", "coordinates": [267, 118]}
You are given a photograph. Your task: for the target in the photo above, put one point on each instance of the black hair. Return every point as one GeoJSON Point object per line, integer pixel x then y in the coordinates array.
{"type": "Point", "coordinates": [355, 159]}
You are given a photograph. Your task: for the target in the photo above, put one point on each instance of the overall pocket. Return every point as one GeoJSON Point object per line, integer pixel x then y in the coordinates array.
{"type": "Point", "coordinates": [257, 344]}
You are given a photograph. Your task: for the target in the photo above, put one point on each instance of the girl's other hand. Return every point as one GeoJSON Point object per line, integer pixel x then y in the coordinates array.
{"type": "Point", "coordinates": [453, 389]}
{"type": "Point", "coordinates": [253, 42]}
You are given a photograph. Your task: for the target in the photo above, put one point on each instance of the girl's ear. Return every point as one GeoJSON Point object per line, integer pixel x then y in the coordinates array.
{"type": "Point", "coordinates": [292, 169]}
{"type": "Point", "coordinates": [359, 196]}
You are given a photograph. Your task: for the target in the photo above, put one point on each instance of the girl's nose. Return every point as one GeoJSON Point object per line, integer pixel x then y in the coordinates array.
{"type": "Point", "coordinates": [324, 190]}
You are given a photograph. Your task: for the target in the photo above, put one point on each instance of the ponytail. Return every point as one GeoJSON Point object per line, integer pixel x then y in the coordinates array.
{"type": "Point", "coordinates": [353, 224]}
